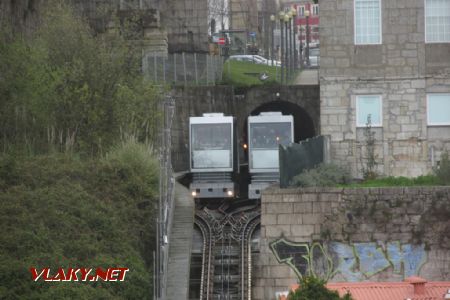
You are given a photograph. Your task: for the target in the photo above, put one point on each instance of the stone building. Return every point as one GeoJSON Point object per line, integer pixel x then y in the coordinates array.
{"type": "Point", "coordinates": [244, 15]}
{"type": "Point", "coordinates": [389, 60]}
{"type": "Point", "coordinates": [311, 24]}
{"type": "Point", "coordinates": [167, 26]}
{"type": "Point", "coordinates": [186, 23]}
{"type": "Point", "coordinates": [21, 16]}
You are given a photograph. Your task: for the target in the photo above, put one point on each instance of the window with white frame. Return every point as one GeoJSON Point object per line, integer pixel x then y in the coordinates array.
{"type": "Point", "coordinates": [437, 21]}
{"type": "Point", "coordinates": [315, 9]}
{"type": "Point", "coordinates": [367, 22]}
{"type": "Point", "coordinates": [438, 109]}
{"type": "Point", "coordinates": [368, 107]}
{"type": "Point", "coordinates": [301, 11]}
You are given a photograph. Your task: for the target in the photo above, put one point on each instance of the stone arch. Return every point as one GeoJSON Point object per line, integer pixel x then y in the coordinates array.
{"type": "Point", "coordinates": [303, 123]}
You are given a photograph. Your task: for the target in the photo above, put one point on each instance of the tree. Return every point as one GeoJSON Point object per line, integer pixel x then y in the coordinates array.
{"type": "Point", "coordinates": [312, 288]}
{"type": "Point", "coordinates": [68, 89]}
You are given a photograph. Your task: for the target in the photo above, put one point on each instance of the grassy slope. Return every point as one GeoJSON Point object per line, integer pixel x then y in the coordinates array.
{"type": "Point", "coordinates": [428, 180]}
{"type": "Point", "coordinates": [60, 211]}
{"type": "Point", "coordinates": [234, 73]}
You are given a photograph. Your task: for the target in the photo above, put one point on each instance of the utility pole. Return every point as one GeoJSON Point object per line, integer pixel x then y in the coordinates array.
{"type": "Point", "coordinates": [286, 48]}
{"type": "Point", "coordinates": [272, 49]}
{"type": "Point", "coordinates": [266, 28]}
{"type": "Point", "coordinates": [283, 62]}
{"type": "Point", "coordinates": [294, 35]}
{"type": "Point", "coordinates": [307, 12]}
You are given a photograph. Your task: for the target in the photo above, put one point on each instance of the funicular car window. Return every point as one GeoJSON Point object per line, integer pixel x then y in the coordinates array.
{"type": "Point", "coordinates": [211, 146]}
{"type": "Point", "coordinates": [211, 136]}
{"type": "Point", "coordinates": [270, 135]}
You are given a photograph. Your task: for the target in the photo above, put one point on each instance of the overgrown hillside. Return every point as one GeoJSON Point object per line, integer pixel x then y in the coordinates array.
{"type": "Point", "coordinates": [60, 211]}
{"type": "Point", "coordinates": [78, 177]}
{"type": "Point", "coordinates": [67, 88]}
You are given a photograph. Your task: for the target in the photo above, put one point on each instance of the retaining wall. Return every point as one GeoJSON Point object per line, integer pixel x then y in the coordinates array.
{"type": "Point", "coordinates": [370, 234]}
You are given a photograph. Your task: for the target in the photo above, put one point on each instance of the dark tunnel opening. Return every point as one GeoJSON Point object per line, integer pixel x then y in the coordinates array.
{"type": "Point", "coordinates": [303, 124]}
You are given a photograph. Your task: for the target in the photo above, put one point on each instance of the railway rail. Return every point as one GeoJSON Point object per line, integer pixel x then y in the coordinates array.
{"type": "Point", "coordinates": [227, 229]}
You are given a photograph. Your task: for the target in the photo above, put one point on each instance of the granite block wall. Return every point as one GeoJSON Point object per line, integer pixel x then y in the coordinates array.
{"type": "Point", "coordinates": [403, 69]}
{"type": "Point", "coordinates": [370, 234]}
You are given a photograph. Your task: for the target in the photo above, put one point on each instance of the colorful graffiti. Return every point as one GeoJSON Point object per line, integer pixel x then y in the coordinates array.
{"type": "Point", "coordinates": [355, 262]}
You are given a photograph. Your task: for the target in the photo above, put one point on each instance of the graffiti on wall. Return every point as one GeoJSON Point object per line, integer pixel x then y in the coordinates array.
{"type": "Point", "coordinates": [355, 262]}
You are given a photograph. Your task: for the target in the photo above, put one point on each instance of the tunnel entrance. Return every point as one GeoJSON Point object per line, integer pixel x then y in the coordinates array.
{"type": "Point", "coordinates": [303, 124]}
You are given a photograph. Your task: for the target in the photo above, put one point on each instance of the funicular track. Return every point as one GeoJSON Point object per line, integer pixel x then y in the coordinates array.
{"type": "Point", "coordinates": [226, 258]}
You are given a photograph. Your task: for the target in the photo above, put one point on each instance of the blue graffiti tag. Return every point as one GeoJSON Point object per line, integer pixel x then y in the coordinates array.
{"type": "Point", "coordinates": [345, 256]}
{"type": "Point", "coordinates": [371, 259]}
{"type": "Point", "coordinates": [355, 262]}
{"type": "Point", "coordinates": [411, 256]}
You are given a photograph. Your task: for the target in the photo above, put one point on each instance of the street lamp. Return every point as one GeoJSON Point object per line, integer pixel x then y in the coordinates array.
{"type": "Point", "coordinates": [294, 34]}
{"type": "Point", "coordinates": [291, 61]}
{"type": "Point", "coordinates": [300, 37]}
{"type": "Point", "coordinates": [282, 58]}
{"type": "Point", "coordinates": [286, 48]}
{"type": "Point", "coordinates": [272, 22]}
{"type": "Point", "coordinates": [307, 37]}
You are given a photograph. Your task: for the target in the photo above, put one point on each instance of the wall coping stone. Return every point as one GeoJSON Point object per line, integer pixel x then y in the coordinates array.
{"type": "Point", "coordinates": [357, 190]}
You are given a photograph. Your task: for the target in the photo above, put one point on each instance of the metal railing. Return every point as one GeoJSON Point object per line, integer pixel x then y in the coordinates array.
{"type": "Point", "coordinates": [183, 68]}
{"type": "Point", "coordinates": [166, 202]}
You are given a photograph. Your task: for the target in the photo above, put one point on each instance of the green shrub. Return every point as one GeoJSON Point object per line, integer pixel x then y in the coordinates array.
{"type": "Point", "coordinates": [312, 288]}
{"type": "Point", "coordinates": [66, 89]}
{"type": "Point", "coordinates": [322, 175]}
{"type": "Point", "coordinates": [443, 171]}
{"type": "Point", "coordinates": [426, 180]}
{"type": "Point", "coordinates": [63, 211]}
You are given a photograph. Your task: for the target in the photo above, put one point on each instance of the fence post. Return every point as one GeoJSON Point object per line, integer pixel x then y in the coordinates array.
{"type": "Point", "coordinates": [145, 69]}
{"type": "Point", "coordinates": [164, 69]}
{"type": "Point", "coordinates": [155, 66]}
{"type": "Point", "coordinates": [213, 61]}
{"type": "Point", "coordinates": [221, 68]}
{"type": "Point", "coordinates": [207, 69]}
{"type": "Point", "coordinates": [276, 72]}
{"type": "Point", "coordinates": [195, 63]}
{"type": "Point", "coordinates": [184, 68]}
{"type": "Point", "coordinates": [175, 68]}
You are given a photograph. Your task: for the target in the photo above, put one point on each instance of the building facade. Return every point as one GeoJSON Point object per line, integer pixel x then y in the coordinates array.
{"type": "Point", "coordinates": [308, 22]}
{"type": "Point", "coordinates": [390, 61]}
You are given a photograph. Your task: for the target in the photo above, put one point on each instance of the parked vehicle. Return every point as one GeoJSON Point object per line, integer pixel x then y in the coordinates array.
{"type": "Point", "coordinates": [257, 59]}
{"type": "Point", "coordinates": [314, 57]}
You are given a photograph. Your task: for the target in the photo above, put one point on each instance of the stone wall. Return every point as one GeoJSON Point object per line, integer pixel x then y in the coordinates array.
{"type": "Point", "coordinates": [371, 234]}
{"type": "Point", "coordinates": [186, 23]}
{"type": "Point", "coordinates": [22, 16]}
{"type": "Point", "coordinates": [403, 69]}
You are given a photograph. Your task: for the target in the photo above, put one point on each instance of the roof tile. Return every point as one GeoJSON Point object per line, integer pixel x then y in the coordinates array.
{"type": "Point", "coordinates": [390, 290]}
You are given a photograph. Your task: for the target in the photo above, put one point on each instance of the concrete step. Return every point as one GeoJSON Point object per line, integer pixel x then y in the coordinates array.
{"type": "Point", "coordinates": [180, 245]}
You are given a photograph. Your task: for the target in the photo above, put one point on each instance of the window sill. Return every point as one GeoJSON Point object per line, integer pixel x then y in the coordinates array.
{"type": "Point", "coordinates": [371, 126]}
{"type": "Point", "coordinates": [443, 42]}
